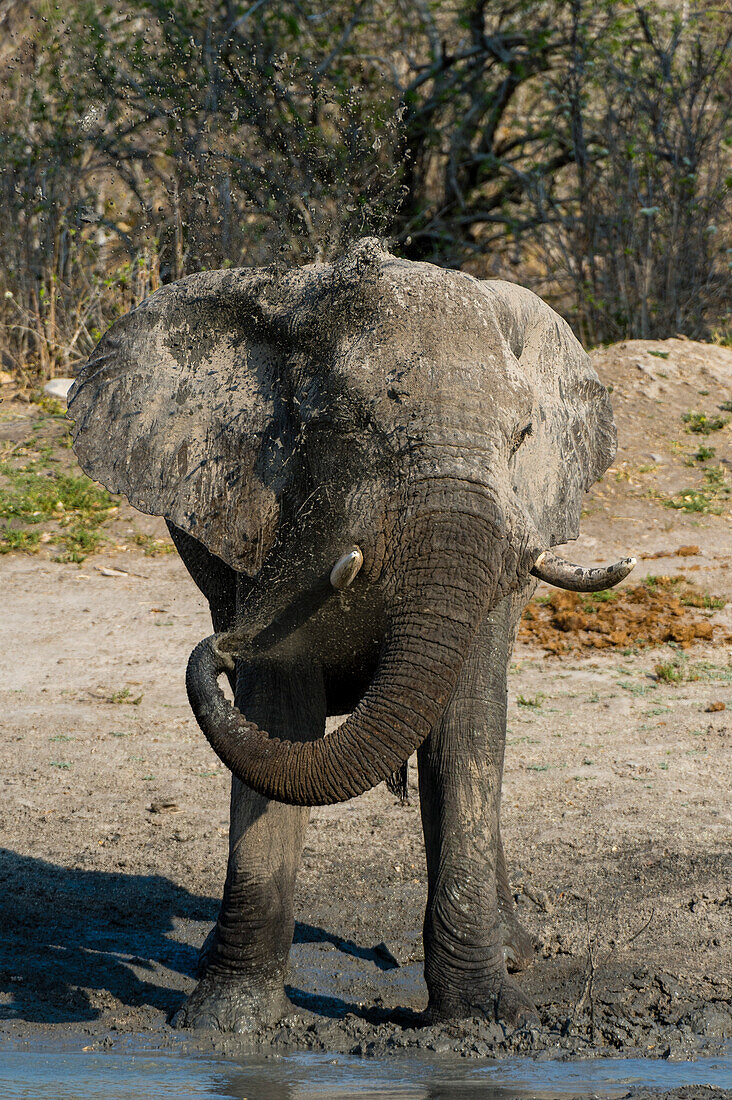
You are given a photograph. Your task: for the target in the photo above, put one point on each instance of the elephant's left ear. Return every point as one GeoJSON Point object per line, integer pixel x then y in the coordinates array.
{"type": "Point", "coordinates": [178, 409]}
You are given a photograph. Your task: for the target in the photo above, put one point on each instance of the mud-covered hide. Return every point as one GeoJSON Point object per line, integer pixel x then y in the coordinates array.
{"type": "Point", "coordinates": [179, 408]}
{"type": "Point", "coordinates": [231, 393]}
{"type": "Point", "coordinates": [573, 436]}
{"type": "Point", "coordinates": [195, 405]}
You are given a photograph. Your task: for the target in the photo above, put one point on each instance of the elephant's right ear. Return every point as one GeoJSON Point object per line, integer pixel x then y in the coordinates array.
{"type": "Point", "coordinates": [179, 409]}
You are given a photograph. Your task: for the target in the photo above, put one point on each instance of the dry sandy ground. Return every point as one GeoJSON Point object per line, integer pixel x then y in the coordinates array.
{"type": "Point", "coordinates": [113, 813]}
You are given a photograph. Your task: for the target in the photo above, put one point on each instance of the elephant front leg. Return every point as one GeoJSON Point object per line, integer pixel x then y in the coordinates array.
{"type": "Point", "coordinates": [518, 945]}
{"type": "Point", "coordinates": [244, 963]}
{"type": "Point", "coordinates": [460, 771]}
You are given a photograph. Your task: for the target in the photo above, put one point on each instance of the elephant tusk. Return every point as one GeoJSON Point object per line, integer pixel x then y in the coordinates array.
{"type": "Point", "coordinates": [296, 614]}
{"type": "Point", "coordinates": [576, 578]}
{"type": "Point", "coordinates": [345, 569]}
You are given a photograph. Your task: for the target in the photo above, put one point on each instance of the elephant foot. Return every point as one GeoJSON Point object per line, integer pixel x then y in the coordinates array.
{"type": "Point", "coordinates": [221, 1003]}
{"type": "Point", "coordinates": [518, 945]}
{"type": "Point", "coordinates": [503, 1002]}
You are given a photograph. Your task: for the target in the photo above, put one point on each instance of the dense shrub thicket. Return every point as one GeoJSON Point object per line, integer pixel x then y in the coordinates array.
{"type": "Point", "coordinates": [578, 146]}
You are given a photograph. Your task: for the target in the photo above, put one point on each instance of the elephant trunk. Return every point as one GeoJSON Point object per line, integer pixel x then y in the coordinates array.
{"type": "Point", "coordinates": [454, 563]}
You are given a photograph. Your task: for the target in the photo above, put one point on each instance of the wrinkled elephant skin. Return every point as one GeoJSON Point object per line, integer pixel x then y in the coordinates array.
{"type": "Point", "coordinates": [360, 464]}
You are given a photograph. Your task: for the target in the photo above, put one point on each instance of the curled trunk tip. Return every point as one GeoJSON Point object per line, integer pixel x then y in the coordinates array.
{"type": "Point", "coordinates": [368, 748]}
{"type": "Point", "coordinates": [577, 578]}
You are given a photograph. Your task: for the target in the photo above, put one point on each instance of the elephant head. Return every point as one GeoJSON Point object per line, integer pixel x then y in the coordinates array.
{"type": "Point", "coordinates": [394, 436]}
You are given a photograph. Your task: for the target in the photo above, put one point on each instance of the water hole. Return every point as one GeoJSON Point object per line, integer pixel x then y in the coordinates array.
{"type": "Point", "coordinates": [75, 1075]}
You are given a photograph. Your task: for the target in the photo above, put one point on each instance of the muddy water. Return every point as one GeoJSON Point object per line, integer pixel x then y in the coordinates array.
{"type": "Point", "coordinates": [76, 1075]}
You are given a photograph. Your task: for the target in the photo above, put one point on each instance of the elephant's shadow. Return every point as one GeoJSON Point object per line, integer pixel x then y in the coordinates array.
{"type": "Point", "coordinates": [74, 944]}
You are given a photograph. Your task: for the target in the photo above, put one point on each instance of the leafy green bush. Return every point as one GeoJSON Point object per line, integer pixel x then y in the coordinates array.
{"type": "Point", "coordinates": [701, 424]}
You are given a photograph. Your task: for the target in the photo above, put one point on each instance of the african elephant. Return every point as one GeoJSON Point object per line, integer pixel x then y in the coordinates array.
{"type": "Point", "coordinates": [364, 466]}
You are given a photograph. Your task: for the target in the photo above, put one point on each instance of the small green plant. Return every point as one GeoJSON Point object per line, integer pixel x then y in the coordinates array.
{"type": "Point", "coordinates": [703, 600]}
{"type": "Point", "coordinates": [537, 767]}
{"type": "Point", "coordinates": [716, 478]}
{"type": "Point", "coordinates": [152, 547]}
{"type": "Point", "coordinates": [51, 406]}
{"type": "Point", "coordinates": [659, 354]}
{"type": "Point", "coordinates": [706, 670]}
{"type": "Point", "coordinates": [14, 540]}
{"type": "Point", "coordinates": [726, 406]}
{"type": "Point", "coordinates": [634, 689]}
{"type": "Point", "coordinates": [669, 672]}
{"type": "Point", "coordinates": [64, 764]}
{"type": "Point", "coordinates": [701, 424]}
{"type": "Point", "coordinates": [590, 601]}
{"type": "Point", "coordinates": [687, 596]}
{"type": "Point", "coordinates": [655, 582]}
{"type": "Point", "coordinates": [704, 454]}
{"type": "Point", "coordinates": [60, 737]}
{"type": "Point", "coordinates": [525, 701]}
{"type": "Point", "coordinates": [125, 696]}
{"type": "Point", "coordinates": [709, 500]}
{"type": "Point", "coordinates": [694, 500]}
{"type": "Point", "coordinates": [78, 543]}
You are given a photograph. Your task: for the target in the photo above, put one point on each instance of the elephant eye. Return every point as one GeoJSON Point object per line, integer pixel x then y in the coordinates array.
{"type": "Point", "coordinates": [520, 435]}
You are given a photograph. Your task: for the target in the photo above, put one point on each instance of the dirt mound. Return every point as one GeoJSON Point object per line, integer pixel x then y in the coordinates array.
{"type": "Point", "coordinates": [662, 609]}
